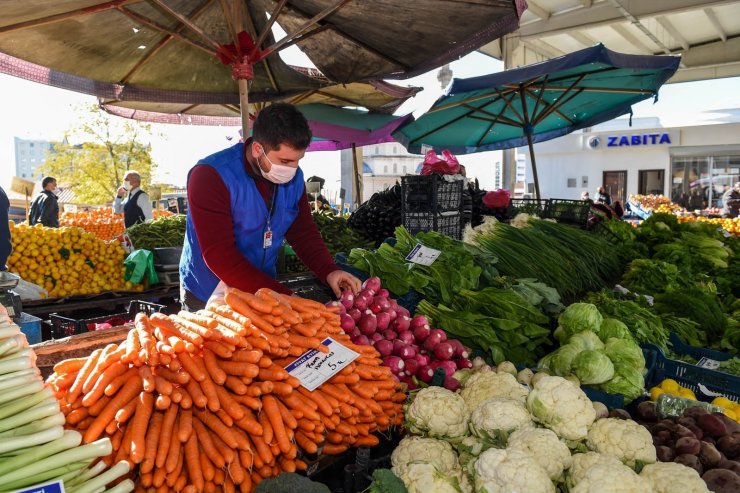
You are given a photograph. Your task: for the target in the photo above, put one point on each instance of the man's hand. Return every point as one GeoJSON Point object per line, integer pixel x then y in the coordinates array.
{"type": "Point", "coordinates": [121, 192]}
{"type": "Point", "coordinates": [339, 280]}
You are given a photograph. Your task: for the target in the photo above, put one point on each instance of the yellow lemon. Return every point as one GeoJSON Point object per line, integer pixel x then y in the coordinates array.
{"type": "Point", "coordinates": [687, 393]}
{"type": "Point", "coordinates": [670, 385]}
{"type": "Point", "coordinates": [730, 414]}
{"type": "Point", "coordinates": [723, 402]}
{"type": "Point", "coordinates": [655, 392]}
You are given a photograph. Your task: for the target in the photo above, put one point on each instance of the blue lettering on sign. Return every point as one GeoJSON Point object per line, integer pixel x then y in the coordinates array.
{"type": "Point", "coordinates": [638, 140]}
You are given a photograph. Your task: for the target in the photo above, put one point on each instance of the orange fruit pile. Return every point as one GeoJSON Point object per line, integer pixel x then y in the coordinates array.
{"type": "Point", "coordinates": [103, 223]}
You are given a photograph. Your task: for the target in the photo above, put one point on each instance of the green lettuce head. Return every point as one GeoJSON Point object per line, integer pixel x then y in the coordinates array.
{"type": "Point", "coordinates": [579, 317]}
{"type": "Point", "coordinates": [586, 340]}
{"type": "Point", "coordinates": [625, 354]}
{"type": "Point", "coordinates": [562, 359]}
{"type": "Point", "coordinates": [593, 367]}
{"type": "Point", "coordinates": [611, 327]}
{"type": "Point", "coordinates": [628, 382]}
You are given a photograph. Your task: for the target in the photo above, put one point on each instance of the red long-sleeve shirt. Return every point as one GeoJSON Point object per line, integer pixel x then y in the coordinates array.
{"type": "Point", "coordinates": [210, 211]}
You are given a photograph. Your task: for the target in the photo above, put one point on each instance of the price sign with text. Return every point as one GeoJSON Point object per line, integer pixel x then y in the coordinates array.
{"type": "Point", "coordinates": [313, 367]}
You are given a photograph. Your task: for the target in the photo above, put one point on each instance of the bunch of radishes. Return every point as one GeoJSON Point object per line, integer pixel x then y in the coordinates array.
{"type": "Point", "coordinates": [409, 346]}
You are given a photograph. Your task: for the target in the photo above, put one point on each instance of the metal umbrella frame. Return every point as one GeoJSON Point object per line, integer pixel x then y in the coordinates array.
{"type": "Point", "coordinates": [537, 102]}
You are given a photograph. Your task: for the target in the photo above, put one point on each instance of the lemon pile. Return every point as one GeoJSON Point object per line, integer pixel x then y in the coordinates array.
{"type": "Point", "coordinates": [67, 261]}
{"type": "Point", "coordinates": [670, 386]}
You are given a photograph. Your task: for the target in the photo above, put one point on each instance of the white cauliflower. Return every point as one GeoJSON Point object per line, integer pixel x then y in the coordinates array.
{"type": "Point", "coordinates": [545, 447]}
{"type": "Point", "coordinates": [419, 449]}
{"type": "Point", "coordinates": [438, 412]}
{"type": "Point", "coordinates": [603, 478]}
{"type": "Point", "coordinates": [487, 384]}
{"type": "Point", "coordinates": [494, 419]}
{"type": "Point", "coordinates": [664, 476]}
{"type": "Point", "coordinates": [422, 477]}
{"type": "Point", "coordinates": [468, 449]}
{"type": "Point", "coordinates": [583, 462]}
{"type": "Point", "coordinates": [507, 471]}
{"type": "Point", "coordinates": [561, 406]}
{"type": "Point", "coordinates": [624, 438]}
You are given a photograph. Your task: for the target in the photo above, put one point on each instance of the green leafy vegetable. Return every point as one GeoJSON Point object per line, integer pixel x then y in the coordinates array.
{"type": "Point", "coordinates": [579, 317]}
{"type": "Point", "coordinates": [593, 367]}
{"type": "Point", "coordinates": [625, 353]}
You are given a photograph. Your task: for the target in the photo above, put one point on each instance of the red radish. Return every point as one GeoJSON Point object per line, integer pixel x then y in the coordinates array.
{"type": "Point", "coordinates": [440, 333]}
{"type": "Point", "coordinates": [411, 366]}
{"type": "Point", "coordinates": [392, 315]}
{"type": "Point", "coordinates": [401, 323]}
{"type": "Point", "coordinates": [425, 374]}
{"type": "Point", "coordinates": [460, 350]}
{"type": "Point", "coordinates": [368, 323]}
{"type": "Point", "coordinates": [355, 333]}
{"type": "Point", "coordinates": [394, 304]}
{"type": "Point", "coordinates": [406, 336]}
{"type": "Point", "coordinates": [347, 299]}
{"type": "Point", "coordinates": [377, 336]}
{"type": "Point", "coordinates": [383, 302]}
{"type": "Point", "coordinates": [403, 311]}
{"type": "Point", "coordinates": [432, 341]}
{"type": "Point", "coordinates": [451, 383]}
{"type": "Point", "coordinates": [419, 321]}
{"type": "Point", "coordinates": [443, 351]}
{"type": "Point", "coordinates": [384, 320]}
{"type": "Point", "coordinates": [384, 293]}
{"type": "Point", "coordinates": [336, 304]}
{"type": "Point", "coordinates": [346, 322]}
{"type": "Point", "coordinates": [372, 284]}
{"type": "Point", "coordinates": [406, 352]}
{"type": "Point", "coordinates": [389, 334]}
{"type": "Point", "coordinates": [362, 340]}
{"type": "Point", "coordinates": [421, 334]}
{"type": "Point", "coordinates": [397, 345]}
{"type": "Point", "coordinates": [410, 384]}
{"type": "Point", "coordinates": [355, 313]}
{"type": "Point", "coordinates": [395, 363]}
{"type": "Point", "coordinates": [422, 359]}
{"type": "Point", "coordinates": [360, 303]}
{"type": "Point", "coordinates": [464, 363]}
{"type": "Point", "coordinates": [375, 307]}
{"type": "Point", "coordinates": [384, 347]}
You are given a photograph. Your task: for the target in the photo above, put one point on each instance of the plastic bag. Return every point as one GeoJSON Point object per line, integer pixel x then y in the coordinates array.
{"type": "Point", "coordinates": [446, 165]}
{"type": "Point", "coordinates": [497, 199]}
{"type": "Point", "coordinates": [29, 291]}
{"type": "Point", "coordinates": [140, 266]}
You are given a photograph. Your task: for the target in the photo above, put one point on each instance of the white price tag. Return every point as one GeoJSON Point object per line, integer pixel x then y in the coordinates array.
{"type": "Point", "coordinates": [423, 255]}
{"type": "Point", "coordinates": [313, 367]}
{"type": "Point", "coordinates": [709, 364]}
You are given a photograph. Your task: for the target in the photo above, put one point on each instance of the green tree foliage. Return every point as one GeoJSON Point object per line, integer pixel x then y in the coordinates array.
{"type": "Point", "coordinates": [110, 146]}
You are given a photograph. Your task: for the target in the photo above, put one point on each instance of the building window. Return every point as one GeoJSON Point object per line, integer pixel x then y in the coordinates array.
{"type": "Point", "coordinates": [385, 169]}
{"type": "Point", "coordinates": [698, 182]}
{"type": "Point", "coordinates": [395, 167]}
{"type": "Point", "coordinates": [572, 183]}
{"type": "Point", "coordinates": [23, 175]}
{"type": "Point", "coordinates": [394, 150]}
{"type": "Point", "coordinates": [30, 145]}
{"type": "Point", "coordinates": [377, 150]}
{"type": "Point", "coordinates": [404, 170]}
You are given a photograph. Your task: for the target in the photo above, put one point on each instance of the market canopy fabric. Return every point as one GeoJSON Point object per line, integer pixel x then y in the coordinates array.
{"type": "Point", "coordinates": [537, 102]}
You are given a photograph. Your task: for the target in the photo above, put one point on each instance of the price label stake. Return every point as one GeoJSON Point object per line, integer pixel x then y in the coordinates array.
{"type": "Point", "coordinates": [313, 367]}
{"type": "Point", "coordinates": [423, 255]}
{"type": "Point", "coordinates": [52, 487]}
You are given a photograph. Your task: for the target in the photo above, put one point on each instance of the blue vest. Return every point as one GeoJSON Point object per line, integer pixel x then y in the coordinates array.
{"type": "Point", "coordinates": [132, 213]}
{"type": "Point", "coordinates": [249, 214]}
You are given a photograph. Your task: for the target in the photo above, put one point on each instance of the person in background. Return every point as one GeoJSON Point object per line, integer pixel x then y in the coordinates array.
{"type": "Point", "coordinates": [136, 207]}
{"type": "Point", "coordinates": [6, 246]}
{"type": "Point", "coordinates": [602, 197]}
{"type": "Point", "coordinates": [585, 196]}
{"type": "Point", "coordinates": [45, 207]}
{"type": "Point", "coordinates": [731, 202]}
{"type": "Point", "coordinates": [242, 203]}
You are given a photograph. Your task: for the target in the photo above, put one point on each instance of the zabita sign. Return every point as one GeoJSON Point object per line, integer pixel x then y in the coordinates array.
{"type": "Point", "coordinates": [630, 140]}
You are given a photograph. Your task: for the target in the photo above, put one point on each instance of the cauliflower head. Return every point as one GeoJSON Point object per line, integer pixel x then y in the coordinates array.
{"type": "Point", "coordinates": [487, 384]}
{"type": "Point", "coordinates": [494, 419]}
{"type": "Point", "coordinates": [438, 412]}
{"type": "Point", "coordinates": [561, 406]}
{"type": "Point", "coordinates": [581, 463]}
{"type": "Point", "coordinates": [423, 477]}
{"type": "Point", "coordinates": [506, 471]}
{"type": "Point", "coordinates": [545, 447]}
{"type": "Point", "coordinates": [664, 476]}
{"type": "Point", "coordinates": [603, 478]}
{"type": "Point", "coordinates": [419, 449]}
{"type": "Point", "coordinates": [626, 439]}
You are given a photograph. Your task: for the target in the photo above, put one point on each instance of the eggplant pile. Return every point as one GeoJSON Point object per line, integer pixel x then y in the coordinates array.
{"type": "Point", "coordinates": [377, 218]}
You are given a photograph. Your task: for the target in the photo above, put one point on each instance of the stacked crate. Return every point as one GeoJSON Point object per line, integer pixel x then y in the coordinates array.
{"type": "Point", "coordinates": [432, 203]}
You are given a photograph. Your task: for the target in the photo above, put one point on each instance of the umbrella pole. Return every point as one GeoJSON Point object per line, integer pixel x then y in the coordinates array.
{"type": "Point", "coordinates": [244, 104]}
{"type": "Point", "coordinates": [357, 196]}
{"type": "Point", "coordinates": [534, 166]}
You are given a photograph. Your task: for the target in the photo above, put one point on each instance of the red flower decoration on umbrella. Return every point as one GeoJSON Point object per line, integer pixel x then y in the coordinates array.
{"type": "Point", "coordinates": [241, 56]}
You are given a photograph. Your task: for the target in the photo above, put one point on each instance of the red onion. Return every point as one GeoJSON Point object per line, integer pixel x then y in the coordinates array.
{"type": "Point", "coordinates": [440, 333]}
{"type": "Point", "coordinates": [362, 340]}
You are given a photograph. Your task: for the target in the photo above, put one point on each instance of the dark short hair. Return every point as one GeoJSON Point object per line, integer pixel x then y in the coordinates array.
{"type": "Point", "coordinates": [47, 180]}
{"type": "Point", "coordinates": [281, 123]}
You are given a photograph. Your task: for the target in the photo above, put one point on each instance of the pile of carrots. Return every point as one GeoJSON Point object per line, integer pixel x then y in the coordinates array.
{"type": "Point", "coordinates": [201, 402]}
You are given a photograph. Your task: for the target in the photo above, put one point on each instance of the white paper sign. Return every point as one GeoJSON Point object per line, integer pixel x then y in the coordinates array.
{"type": "Point", "coordinates": [707, 363]}
{"type": "Point", "coordinates": [423, 255]}
{"type": "Point", "coordinates": [313, 367]}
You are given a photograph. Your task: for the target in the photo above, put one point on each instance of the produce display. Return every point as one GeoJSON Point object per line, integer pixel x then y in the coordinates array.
{"type": "Point", "coordinates": [67, 261]}
{"type": "Point", "coordinates": [731, 225]}
{"type": "Point", "coordinates": [202, 402]}
{"type": "Point", "coordinates": [35, 448]}
{"type": "Point", "coordinates": [168, 231]}
{"type": "Point", "coordinates": [379, 216]}
{"type": "Point", "coordinates": [102, 222]}
{"type": "Point", "coordinates": [655, 203]}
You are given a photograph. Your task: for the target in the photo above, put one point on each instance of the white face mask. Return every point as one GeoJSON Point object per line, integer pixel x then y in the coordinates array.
{"type": "Point", "coordinates": [127, 185]}
{"type": "Point", "coordinates": [279, 173]}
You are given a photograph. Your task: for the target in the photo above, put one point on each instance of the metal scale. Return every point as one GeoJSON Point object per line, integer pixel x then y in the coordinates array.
{"type": "Point", "coordinates": [10, 300]}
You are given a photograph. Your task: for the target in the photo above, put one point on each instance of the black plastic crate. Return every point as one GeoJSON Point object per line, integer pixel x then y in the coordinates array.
{"type": "Point", "coordinates": [65, 326]}
{"type": "Point", "coordinates": [430, 193]}
{"type": "Point", "coordinates": [534, 207]}
{"type": "Point", "coordinates": [449, 223]}
{"type": "Point", "coordinates": [568, 211]}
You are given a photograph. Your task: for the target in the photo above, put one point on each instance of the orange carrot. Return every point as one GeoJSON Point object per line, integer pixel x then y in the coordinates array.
{"type": "Point", "coordinates": [209, 390]}
{"type": "Point", "coordinates": [228, 404]}
{"type": "Point", "coordinates": [247, 356]}
{"type": "Point", "coordinates": [106, 376]}
{"type": "Point", "coordinates": [206, 443]}
{"type": "Point", "coordinates": [204, 332]}
{"type": "Point", "coordinates": [263, 450]}
{"type": "Point", "coordinates": [191, 458]}
{"type": "Point", "coordinates": [331, 449]}
{"type": "Point", "coordinates": [76, 389]}
{"type": "Point", "coordinates": [239, 369]}
{"type": "Point", "coordinates": [211, 365]}
{"type": "Point", "coordinates": [124, 414]}
{"type": "Point", "coordinates": [251, 425]}
{"type": "Point", "coordinates": [174, 326]}
{"type": "Point", "coordinates": [235, 385]}
{"type": "Point", "coordinates": [323, 406]}
{"type": "Point", "coordinates": [238, 304]}
{"type": "Point", "coordinates": [76, 416]}
{"type": "Point", "coordinates": [69, 365]}
{"type": "Point", "coordinates": [217, 426]}
{"type": "Point", "coordinates": [185, 428]}
{"type": "Point", "coordinates": [174, 450]}
{"type": "Point", "coordinates": [196, 394]}
{"type": "Point", "coordinates": [306, 443]}
{"type": "Point", "coordinates": [152, 439]}
{"type": "Point", "coordinates": [127, 392]}
{"type": "Point", "coordinates": [251, 402]}
{"type": "Point", "coordinates": [165, 436]}
{"type": "Point", "coordinates": [118, 382]}
{"type": "Point", "coordinates": [162, 402]}
{"type": "Point", "coordinates": [232, 321]}
{"type": "Point", "coordinates": [209, 471]}
{"type": "Point", "coordinates": [147, 378]}
{"type": "Point", "coordinates": [220, 349]}
{"type": "Point", "coordinates": [140, 422]}
{"type": "Point", "coordinates": [190, 366]}
{"type": "Point", "coordinates": [278, 426]}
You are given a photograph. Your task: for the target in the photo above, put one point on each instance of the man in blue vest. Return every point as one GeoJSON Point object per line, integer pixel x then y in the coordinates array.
{"type": "Point", "coordinates": [242, 203]}
{"type": "Point", "coordinates": [136, 207]}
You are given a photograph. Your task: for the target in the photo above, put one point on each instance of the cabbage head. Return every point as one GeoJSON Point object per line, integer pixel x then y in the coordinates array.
{"type": "Point", "coordinates": [586, 340]}
{"type": "Point", "coordinates": [625, 354]}
{"type": "Point", "coordinates": [562, 359]}
{"type": "Point", "coordinates": [611, 327]}
{"type": "Point", "coordinates": [593, 367]}
{"type": "Point", "coordinates": [579, 317]}
{"type": "Point", "coordinates": [628, 382]}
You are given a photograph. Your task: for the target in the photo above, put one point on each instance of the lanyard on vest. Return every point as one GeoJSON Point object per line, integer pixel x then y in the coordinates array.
{"type": "Point", "coordinates": [267, 235]}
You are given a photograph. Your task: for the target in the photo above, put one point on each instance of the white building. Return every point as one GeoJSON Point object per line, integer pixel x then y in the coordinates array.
{"type": "Point", "coordinates": [679, 162]}
{"type": "Point", "coordinates": [29, 155]}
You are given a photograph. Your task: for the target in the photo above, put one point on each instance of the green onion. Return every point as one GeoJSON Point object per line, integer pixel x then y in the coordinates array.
{"type": "Point", "coordinates": [30, 455]}
{"type": "Point", "coordinates": [89, 473]}
{"type": "Point", "coordinates": [10, 331]}
{"type": "Point", "coordinates": [25, 402]}
{"type": "Point", "coordinates": [56, 419]}
{"type": "Point", "coordinates": [10, 444]}
{"type": "Point", "coordinates": [123, 487]}
{"type": "Point", "coordinates": [15, 364]}
{"type": "Point", "coordinates": [19, 373]}
{"type": "Point", "coordinates": [13, 393]}
{"type": "Point", "coordinates": [111, 474]}
{"type": "Point", "coordinates": [46, 475]}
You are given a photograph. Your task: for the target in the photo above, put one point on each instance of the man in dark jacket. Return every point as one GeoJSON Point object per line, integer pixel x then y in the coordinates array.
{"type": "Point", "coordinates": [45, 208]}
{"type": "Point", "coordinates": [731, 202]}
{"type": "Point", "coordinates": [5, 245]}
